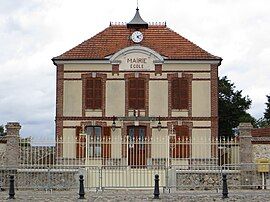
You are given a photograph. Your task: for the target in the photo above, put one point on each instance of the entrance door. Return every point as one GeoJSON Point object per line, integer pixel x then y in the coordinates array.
{"type": "Point", "coordinates": [136, 146]}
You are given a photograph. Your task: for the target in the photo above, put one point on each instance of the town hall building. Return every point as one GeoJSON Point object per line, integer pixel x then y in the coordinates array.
{"type": "Point", "coordinates": [137, 94]}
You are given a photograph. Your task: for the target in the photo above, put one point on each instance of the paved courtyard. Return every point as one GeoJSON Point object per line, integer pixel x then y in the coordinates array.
{"type": "Point", "coordinates": [131, 195]}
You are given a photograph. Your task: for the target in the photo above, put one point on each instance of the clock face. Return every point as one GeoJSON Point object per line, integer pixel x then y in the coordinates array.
{"type": "Point", "coordinates": [137, 37]}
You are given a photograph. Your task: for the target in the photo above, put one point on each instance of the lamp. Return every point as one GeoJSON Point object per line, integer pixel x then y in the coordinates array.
{"type": "Point", "coordinates": [113, 123]}
{"type": "Point", "coordinates": [159, 124]}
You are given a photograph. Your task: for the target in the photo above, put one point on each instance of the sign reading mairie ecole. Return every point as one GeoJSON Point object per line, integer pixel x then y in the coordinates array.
{"type": "Point", "coordinates": [136, 58]}
{"type": "Point", "coordinates": [136, 62]}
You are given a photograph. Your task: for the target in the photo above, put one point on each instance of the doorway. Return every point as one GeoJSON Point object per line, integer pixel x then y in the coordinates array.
{"type": "Point", "coordinates": [137, 146]}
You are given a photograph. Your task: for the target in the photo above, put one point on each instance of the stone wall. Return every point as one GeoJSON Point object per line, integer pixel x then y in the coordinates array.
{"type": "Point", "coordinates": [260, 151]}
{"type": "Point", "coordinates": [2, 152]}
{"type": "Point", "coordinates": [41, 179]}
{"type": "Point", "coordinates": [205, 180]}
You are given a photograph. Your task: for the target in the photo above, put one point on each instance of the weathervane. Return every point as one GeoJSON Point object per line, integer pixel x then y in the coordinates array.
{"type": "Point", "coordinates": [137, 3]}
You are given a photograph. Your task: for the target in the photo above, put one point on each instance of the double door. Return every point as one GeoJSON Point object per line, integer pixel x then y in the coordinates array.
{"type": "Point", "coordinates": [137, 146]}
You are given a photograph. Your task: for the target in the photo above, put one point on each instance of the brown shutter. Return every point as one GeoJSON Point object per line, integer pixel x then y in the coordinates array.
{"type": "Point", "coordinates": [184, 94]}
{"type": "Point", "coordinates": [136, 94]}
{"type": "Point", "coordinates": [182, 142]}
{"type": "Point", "coordinates": [106, 143]}
{"type": "Point", "coordinates": [93, 93]}
{"type": "Point", "coordinates": [175, 94]}
{"type": "Point", "coordinates": [180, 93]}
{"type": "Point", "coordinates": [80, 143]}
{"type": "Point", "coordinates": [97, 94]}
{"type": "Point", "coordinates": [132, 94]}
{"type": "Point", "coordinates": [89, 93]}
{"type": "Point", "coordinates": [140, 94]}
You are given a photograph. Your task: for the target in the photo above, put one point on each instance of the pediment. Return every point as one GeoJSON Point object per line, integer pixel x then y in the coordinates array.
{"type": "Point", "coordinates": [136, 58]}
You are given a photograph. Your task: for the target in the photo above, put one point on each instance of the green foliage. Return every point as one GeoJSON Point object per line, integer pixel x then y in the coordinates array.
{"type": "Point", "coordinates": [267, 110]}
{"type": "Point", "coordinates": [2, 131]}
{"type": "Point", "coordinates": [232, 107]}
{"type": "Point", "coordinates": [262, 123]}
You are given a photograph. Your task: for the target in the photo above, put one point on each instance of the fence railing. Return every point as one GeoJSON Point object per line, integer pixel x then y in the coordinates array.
{"type": "Point", "coordinates": [133, 152]}
{"type": "Point", "coordinates": [125, 163]}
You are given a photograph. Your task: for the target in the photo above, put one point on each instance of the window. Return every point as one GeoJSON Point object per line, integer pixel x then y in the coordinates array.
{"type": "Point", "coordinates": [136, 94]}
{"type": "Point", "coordinates": [94, 137]}
{"type": "Point", "coordinates": [180, 93]}
{"type": "Point", "coordinates": [93, 93]}
{"type": "Point", "coordinates": [99, 144]}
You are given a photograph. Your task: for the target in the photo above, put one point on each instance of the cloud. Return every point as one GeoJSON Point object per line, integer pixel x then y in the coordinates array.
{"type": "Point", "coordinates": [34, 31]}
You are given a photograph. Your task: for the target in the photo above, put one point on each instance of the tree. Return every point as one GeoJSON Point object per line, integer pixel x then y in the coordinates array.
{"type": "Point", "coordinates": [2, 133]}
{"type": "Point", "coordinates": [267, 110]}
{"type": "Point", "coordinates": [232, 108]}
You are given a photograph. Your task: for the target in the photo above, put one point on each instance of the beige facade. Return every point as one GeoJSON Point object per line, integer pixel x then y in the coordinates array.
{"type": "Point", "coordinates": [134, 103]}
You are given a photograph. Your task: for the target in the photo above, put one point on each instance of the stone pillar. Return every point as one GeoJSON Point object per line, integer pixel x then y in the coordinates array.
{"type": "Point", "coordinates": [245, 152]}
{"type": "Point", "coordinates": [245, 143]}
{"type": "Point", "coordinates": [12, 147]}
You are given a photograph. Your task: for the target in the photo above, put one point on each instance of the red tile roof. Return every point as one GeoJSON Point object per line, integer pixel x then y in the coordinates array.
{"type": "Point", "coordinates": [260, 132]}
{"type": "Point", "coordinates": [157, 37]}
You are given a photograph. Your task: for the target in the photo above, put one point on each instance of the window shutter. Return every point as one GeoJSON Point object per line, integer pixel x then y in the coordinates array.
{"type": "Point", "coordinates": [136, 94]}
{"type": "Point", "coordinates": [184, 94]}
{"type": "Point", "coordinates": [141, 94]}
{"type": "Point", "coordinates": [180, 93]}
{"type": "Point", "coordinates": [106, 143]}
{"type": "Point", "coordinates": [132, 94]}
{"type": "Point", "coordinates": [93, 93]}
{"type": "Point", "coordinates": [97, 94]}
{"type": "Point", "coordinates": [175, 94]}
{"type": "Point", "coordinates": [180, 144]}
{"type": "Point", "coordinates": [80, 143]}
{"type": "Point", "coordinates": [89, 94]}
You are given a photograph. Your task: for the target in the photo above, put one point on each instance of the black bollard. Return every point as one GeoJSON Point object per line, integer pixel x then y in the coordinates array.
{"type": "Point", "coordinates": [156, 190]}
{"type": "Point", "coordinates": [81, 189]}
{"type": "Point", "coordinates": [225, 186]}
{"type": "Point", "coordinates": [11, 187]}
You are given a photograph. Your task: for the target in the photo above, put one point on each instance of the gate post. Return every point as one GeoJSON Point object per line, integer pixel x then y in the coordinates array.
{"type": "Point", "coordinates": [13, 144]}
{"type": "Point", "coordinates": [245, 152]}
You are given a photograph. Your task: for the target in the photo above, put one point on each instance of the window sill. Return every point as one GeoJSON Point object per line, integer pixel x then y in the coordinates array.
{"type": "Point", "coordinates": [179, 110]}
{"type": "Point", "coordinates": [93, 110]}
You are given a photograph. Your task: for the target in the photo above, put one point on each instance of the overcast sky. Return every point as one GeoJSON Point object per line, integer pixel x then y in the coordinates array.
{"type": "Point", "coordinates": [34, 31]}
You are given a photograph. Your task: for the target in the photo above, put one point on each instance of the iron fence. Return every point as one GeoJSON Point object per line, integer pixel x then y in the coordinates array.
{"type": "Point", "coordinates": [131, 163]}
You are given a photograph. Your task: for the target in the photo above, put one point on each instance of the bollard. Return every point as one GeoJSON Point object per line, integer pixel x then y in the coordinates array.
{"type": "Point", "coordinates": [11, 187]}
{"type": "Point", "coordinates": [225, 186]}
{"type": "Point", "coordinates": [156, 190]}
{"type": "Point", "coordinates": [81, 189]}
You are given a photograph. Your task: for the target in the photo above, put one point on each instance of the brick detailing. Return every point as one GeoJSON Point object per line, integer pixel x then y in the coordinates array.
{"type": "Point", "coordinates": [158, 69]}
{"type": "Point", "coordinates": [103, 80]}
{"type": "Point", "coordinates": [214, 101]}
{"type": "Point", "coordinates": [59, 106]}
{"type": "Point", "coordinates": [59, 90]}
{"type": "Point", "coordinates": [115, 69]}
{"type": "Point", "coordinates": [78, 118]}
{"type": "Point", "coordinates": [170, 77]}
{"type": "Point", "coordinates": [84, 124]}
{"type": "Point", "coordinates": [141, 75]}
